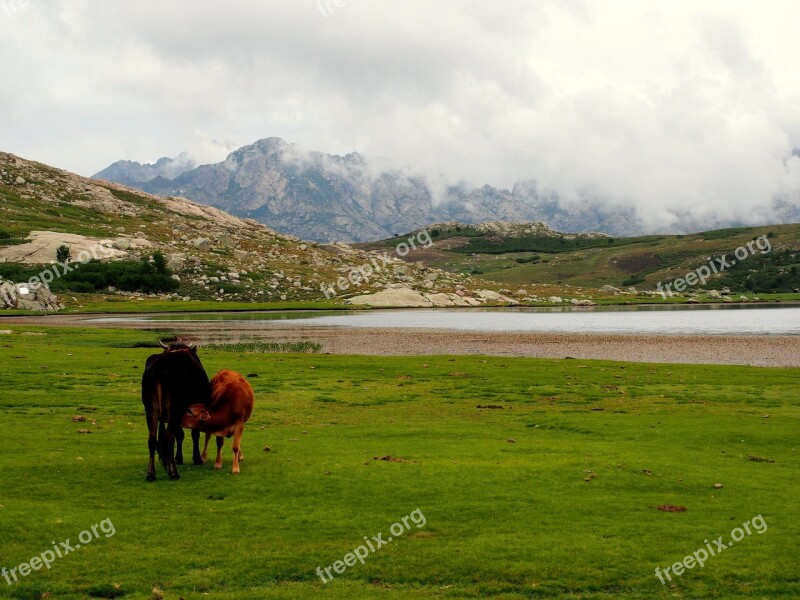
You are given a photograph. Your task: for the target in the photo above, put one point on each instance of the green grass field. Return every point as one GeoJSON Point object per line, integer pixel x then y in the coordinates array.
{"type": "Point", "coordinates": [553, 496]}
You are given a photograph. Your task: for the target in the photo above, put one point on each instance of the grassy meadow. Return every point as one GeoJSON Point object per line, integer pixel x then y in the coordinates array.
{"type": "Point", "coordinates": [553, 495]}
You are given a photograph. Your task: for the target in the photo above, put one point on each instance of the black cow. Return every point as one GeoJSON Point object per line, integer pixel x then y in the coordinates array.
{"type": "Point", "coordinates": [172, 381]}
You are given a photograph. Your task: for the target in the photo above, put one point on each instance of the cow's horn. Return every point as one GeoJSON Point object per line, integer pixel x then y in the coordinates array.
{"type": "Point", "coordinates": [163, 345]}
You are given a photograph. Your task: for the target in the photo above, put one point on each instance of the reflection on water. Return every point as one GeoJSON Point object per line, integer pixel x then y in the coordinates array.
{"type": "Point", "coordinates": [716, 319]}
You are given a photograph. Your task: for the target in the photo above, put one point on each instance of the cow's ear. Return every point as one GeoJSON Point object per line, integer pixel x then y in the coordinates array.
{"type": "Point", "coordinates": [194, 350]}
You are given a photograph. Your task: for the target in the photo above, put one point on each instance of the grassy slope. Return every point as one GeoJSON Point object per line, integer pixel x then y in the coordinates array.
{"type": "Point", "coordinates": [657, 258]}
{"type": "Point", "coordinates": [504, 520]}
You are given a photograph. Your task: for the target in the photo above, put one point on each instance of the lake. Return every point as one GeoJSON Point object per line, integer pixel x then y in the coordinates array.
{"type": "Point", "coordinates": [717, 319]}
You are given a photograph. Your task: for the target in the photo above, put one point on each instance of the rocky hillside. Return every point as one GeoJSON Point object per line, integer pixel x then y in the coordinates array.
{"type": "Point", "coordinates": [213, 255]}
{"type": "Point", "coordinates": [326, 198]}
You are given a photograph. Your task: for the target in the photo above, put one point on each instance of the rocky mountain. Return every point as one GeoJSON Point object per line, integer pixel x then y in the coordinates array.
{"type": "Point", "coordinates": [133, 174]}
{"type": "Point", "coordinates": [325, 198]}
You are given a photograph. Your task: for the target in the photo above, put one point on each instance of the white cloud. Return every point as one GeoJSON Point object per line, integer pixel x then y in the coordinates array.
{"type": "Point", "coordinates": [684, 110]}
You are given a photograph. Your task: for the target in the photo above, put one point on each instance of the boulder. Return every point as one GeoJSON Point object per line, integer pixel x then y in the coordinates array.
{"type": "Point", "coordinates": [35, 297]}
{"type": "Point", "coordinates": [240, 254]}
{"type": "Point", "coordinates": [202, 244]}
{"type": "Point", "coordinates": [226, 240]}
{"type": "Point", "coordinates": [489, 295]}
{"type": "Point", "coordinates": [610, 289]}
{"type": "Point", "coordinates": [393, 298]}
{"type": "Point", "coordinates": [440, 299]}
{"type": "Point", "coordinates": [555, 300]}
{"type": "Point", "coordinates": [175, 262]}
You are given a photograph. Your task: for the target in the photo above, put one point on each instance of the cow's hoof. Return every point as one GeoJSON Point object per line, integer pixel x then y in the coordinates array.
{"type": "Point", "coordinates": [198, 461]}
{"type": "Point", "coordinates": [179, 461]}
{"type": "Point", "coordinates": [175, 477]}
{"type": "Point", "coordinates": [151, 477]}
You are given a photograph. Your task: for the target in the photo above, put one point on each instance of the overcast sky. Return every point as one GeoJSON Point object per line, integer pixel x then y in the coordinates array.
{"type": "Point", "coordinates": [670, 106]}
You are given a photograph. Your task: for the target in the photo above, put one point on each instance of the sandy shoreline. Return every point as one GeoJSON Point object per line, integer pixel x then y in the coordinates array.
{"type": "Point", "coordinates": [770, 351]}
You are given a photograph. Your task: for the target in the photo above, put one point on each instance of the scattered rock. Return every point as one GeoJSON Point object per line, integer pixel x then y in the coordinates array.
{"type": "Point", "coordinates": [84, 431]}
{"type": "Point", "coordinates": [78, 419]}
{"type": "Point", "coordinates": [202, 244]}
{"type": "Point", "coordinates": [267, 449]}
{"type": "Point", "coordinates": [718, 486]}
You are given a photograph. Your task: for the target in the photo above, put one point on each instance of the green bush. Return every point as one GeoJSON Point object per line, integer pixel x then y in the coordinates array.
{"type": "Point", "coordinates": [633, 280]}
{"type": "Point", "coordinates": [95, 276]}
{"type": "Point", "coordinates": [528, 259]}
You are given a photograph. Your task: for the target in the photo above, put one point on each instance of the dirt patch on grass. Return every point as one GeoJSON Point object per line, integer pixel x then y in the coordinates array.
{"type": "Point", "coordinates": [671, 508]}
{"type": "Point", "coordinates": [639, 262]}
{"type": "Point", "coordinates": [391, 459]}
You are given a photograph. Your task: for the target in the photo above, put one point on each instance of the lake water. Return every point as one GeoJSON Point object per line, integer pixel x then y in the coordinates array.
{"type": "Point", "coordinates": [690, 320]}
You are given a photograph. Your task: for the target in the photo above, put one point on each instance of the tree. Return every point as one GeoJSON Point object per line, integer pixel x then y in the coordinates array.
{"type": "Point", "coordinates": [63, 255]}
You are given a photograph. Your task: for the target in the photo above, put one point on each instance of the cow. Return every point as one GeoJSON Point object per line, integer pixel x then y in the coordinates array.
{"type": "Point", "coordinates": [231, 405]}
{"type": "Point", "coordinates": [172, 381]}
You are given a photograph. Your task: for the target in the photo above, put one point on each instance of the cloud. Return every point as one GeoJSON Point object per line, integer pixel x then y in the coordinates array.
{"type": "Point", "coordinates": [685, 111]}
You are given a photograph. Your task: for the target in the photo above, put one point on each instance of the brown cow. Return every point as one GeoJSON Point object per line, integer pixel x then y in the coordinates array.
{"type": "Point", "coordinates": [231, 405]}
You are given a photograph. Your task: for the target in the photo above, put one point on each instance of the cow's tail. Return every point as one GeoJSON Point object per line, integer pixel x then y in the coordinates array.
{"type": "Point", "coordinates": [160, 406]}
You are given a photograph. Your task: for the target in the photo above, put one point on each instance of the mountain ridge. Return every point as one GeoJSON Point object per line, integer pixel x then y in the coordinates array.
{"type": "Point", "coordinates": [325, 198]}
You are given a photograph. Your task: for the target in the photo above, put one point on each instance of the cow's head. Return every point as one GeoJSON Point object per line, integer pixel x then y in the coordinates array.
{"type": "Point", "coordinates": [195, 415]}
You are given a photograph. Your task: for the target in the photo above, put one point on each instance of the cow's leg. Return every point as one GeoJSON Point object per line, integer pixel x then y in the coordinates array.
{"type": "Point", "coordinates": [220, 442]}
{"type": "Point", "coordinates": [179, 435]}
{"type": "Point", "coordinates": [152, 444]}
{"type": "Point", "coordinates": [166, 440]}
{"type": "Point", "coordinates": [204, 456]}
{"type": "Point", "coordinates": [237, 446]}
{"type": "Point", "coordinates": [196, 457]}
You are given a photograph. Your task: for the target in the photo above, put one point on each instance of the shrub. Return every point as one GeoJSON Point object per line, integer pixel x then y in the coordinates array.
{"type": "Point", "coordinates": [633, 280]}
{"type": "Point", "coordinates": [63, 254]}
